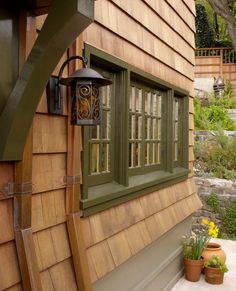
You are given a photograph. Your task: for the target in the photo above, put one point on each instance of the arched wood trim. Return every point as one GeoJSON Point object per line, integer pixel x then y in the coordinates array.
{"type": "Point", "coordinates": [65, 21]}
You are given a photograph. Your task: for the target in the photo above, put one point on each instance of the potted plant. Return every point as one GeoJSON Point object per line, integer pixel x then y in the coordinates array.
{"type": "Point", "coordinates": [193, 247]}
{"type": "Point", "coordinates": [212, 248]}
{"type": "Point", "coordinates": [214, 270]}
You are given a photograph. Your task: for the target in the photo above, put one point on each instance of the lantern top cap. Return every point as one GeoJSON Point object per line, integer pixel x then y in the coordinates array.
{"type": "Point", "coordinates": [86, 74]}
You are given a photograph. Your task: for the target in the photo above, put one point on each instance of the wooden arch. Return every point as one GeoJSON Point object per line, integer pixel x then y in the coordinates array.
{"type": "Point", "coordinates": [65, 21]}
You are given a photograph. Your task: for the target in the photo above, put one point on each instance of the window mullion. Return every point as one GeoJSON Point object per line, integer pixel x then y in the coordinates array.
{"type": "Point", "coordinates": [169, 131]}
{"type": "Point", "coordinates": [143, 145]}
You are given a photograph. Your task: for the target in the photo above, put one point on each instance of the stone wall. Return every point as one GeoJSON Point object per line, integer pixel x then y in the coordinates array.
{"type": "Point", "coordinates": [224, 190]}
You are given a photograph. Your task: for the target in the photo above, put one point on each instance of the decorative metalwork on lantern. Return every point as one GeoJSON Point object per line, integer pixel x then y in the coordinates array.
{"type": "Point", "coordinates": [85, 102]}
{"type": "Point", "coordinates": [85, 107]}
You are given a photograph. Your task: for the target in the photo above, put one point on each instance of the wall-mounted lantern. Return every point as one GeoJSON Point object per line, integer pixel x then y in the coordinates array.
{"type": "Point", "coordinates": [84, 89]}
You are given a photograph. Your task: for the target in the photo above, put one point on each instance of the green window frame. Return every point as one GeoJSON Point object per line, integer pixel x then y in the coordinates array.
{"type": "Point", "coordinates": [149, 118]}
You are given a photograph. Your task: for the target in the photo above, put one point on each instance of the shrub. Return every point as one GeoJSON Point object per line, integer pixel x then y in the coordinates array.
{"type": "Point", "coordinates": [217, 158]}
{"type": "Point", "coordinates": [214, 116]}
{"type": "Point", "coordinates": [213, 202]}
{"type": "Point", "coordinates": [229, 220]}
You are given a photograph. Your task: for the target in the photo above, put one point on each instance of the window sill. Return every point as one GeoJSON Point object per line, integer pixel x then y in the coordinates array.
{"type": "Point", "coordinates": [108, 195]}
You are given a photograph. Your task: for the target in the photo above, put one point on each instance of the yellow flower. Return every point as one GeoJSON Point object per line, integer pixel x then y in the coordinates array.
{"type": "Point", "coordinates": [213, 230]}
{"type": "Point", "coordinates": [205, 221]}
{"type": "Point", "coordinates": [211, 224]}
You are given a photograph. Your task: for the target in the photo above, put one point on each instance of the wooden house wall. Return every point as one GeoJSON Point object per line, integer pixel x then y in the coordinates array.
{"type": "Point", "coordinates": [159, 40]}
{"type": "Point", "coordinates": [157, 37]}
{"type": "Point", "coordinates": [9, 267]}
{"type": "Point", "coordinates": [48, 211]}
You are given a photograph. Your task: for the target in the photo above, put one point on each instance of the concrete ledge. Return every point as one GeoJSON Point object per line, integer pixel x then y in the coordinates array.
{"type": "Point", "coordinates": [156, 268]}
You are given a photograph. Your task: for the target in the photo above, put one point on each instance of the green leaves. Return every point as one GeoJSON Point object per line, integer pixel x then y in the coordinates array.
{"type": "Point", "coordinates": [215, 262]}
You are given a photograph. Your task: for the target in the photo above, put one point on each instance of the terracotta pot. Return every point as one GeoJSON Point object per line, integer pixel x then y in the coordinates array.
{"type": "Point", "coordinates": [193, 269]}
{"type": "Point", "coordinates": [214, 275]}
{"type": "Point", "coordinates": [213, 249]}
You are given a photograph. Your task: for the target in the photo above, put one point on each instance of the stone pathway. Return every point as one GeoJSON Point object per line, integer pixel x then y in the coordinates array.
{"type": "Point", "coordinates": [229, 284]}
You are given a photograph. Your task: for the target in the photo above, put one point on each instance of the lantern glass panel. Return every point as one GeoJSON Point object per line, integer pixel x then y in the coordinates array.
{"type": "Point", "coordinates": [85, 108]}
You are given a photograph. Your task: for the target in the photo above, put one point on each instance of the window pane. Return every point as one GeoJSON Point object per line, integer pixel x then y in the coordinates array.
{"type": "Point", "coordinates": [106, 125]}
{"type": "Point", "coordinates": [105, 93]}
{"type": "Point", "coordinates": [138, 155]}
{"type": "Point", "coordinates": [95, 131]}
{"type": "Point", "coordinates": [147, 154]}
{"type": "Point", "coordinates": [94, 158]}
{"type": "Point", "coordinates": [144, 126]}
{"type": "Point", "coordinates": [148, 102]}
{"type": "Point", "coordinates": [176, 126]}
{"type": "Point", "coordinates": [139, 101]}
{"type": "Point", "coordinates": [100, 150]}
{"type": "Point", "coordinates": [132, 155]}
{"type": "Point", "coordinates": [133, 127]}
{"type": "Point", "coordinates": [157, 153]}
{"type": "Point", "coordinates": [105, 158]}
{"type": "Point", "coordinates": [159, 107]}
{"type": "Point", "coordinates": [176, 151]}
{"type": "Point", "coordinates": [132, 100]}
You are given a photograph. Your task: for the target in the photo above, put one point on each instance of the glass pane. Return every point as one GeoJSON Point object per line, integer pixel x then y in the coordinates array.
{"type": "Point", "coordinates": [139, 101]}
{"type": "Point", "coordinates": [132, 100]}
{"type": "Point", "coordinates": [105, 154]}
{"type": "Point", "coordinates": [140, 127]}
{"type": "Point", "coordinates": [157, 153]}
{"type": "Point", "coordinates": [176, 130]}
{"type": "Point", "coordinates": [105, 93]}
{"type": "Point", "coordinates": [138, 155]}
{"type": "Point", "coordinates": [130, 155]}
{"type": "Point", "coordinates": [94, 158]}
{"type": "Point", "coordinates": [148, 127]}
{"type": "Point", "coordinates": [130, 126]}
{"type": "Point", "coordinates": [138, 130]}
{"type": "Point", "coordinates": [176, 151]}
{"type": "Point", "coordinates": [151, 154]}
{"type": "Point", "coordinates": [176, 109]}
{"type": "Point", "coordinates": [151, 129]}
{"type": "Point", "coordinates": [108, 94]}
{"type": "Point", "coordinates": [106, 125]}
{"type": "Point", "coordinates": [159, 130]}
{"type": "Point", "coordinates": [154, 129]}
{"type": "Point", "coordinates": [94, 132]}
{"type": "Point", "coordinates": [133, 127]}
{"type": "Point", "coordinates": [147, 154]}
{"type": "Point", "coordinates": [148, 103]}
{"type": "Point", "coordinates": [159, 107]}
{"type": "Point", "coordinates": [154, 104]}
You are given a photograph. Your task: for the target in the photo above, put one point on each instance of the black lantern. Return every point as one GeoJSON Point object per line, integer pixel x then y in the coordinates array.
{"type": "Point", "coordinates": [85, 101]}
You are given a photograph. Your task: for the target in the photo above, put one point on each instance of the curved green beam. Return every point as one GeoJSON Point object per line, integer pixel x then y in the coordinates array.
{"type": "Point", "coordinates": [65, 21]}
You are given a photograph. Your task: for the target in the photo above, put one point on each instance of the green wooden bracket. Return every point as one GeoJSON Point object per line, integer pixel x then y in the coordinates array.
{"type": "Point", "coordinates": [65, 21]}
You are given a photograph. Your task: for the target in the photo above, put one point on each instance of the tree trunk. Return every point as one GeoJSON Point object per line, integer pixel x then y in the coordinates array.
{"type": "Point", "coordinates": [222, 8]}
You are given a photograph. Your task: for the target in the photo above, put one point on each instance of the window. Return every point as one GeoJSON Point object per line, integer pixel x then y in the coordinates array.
{"type": "Point", "coordinates": [145, 127]}
{"type": "Point", "coordinates": [142, 142]}
{"type": "Point", "coordinates": [100, 138]}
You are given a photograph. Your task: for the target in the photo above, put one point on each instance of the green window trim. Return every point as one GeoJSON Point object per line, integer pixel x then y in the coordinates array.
{"type": "Point", "coordinates": [100, 192]}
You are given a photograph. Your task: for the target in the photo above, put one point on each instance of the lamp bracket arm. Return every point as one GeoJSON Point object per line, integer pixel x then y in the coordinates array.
{"type": "Point", "coordinates": [83, 59]}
